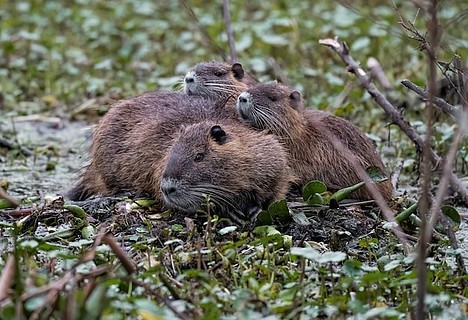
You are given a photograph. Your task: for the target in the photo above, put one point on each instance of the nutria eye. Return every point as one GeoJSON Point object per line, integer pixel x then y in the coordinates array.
{"type": "Point", "coordinates": [273, 99]}
{"type": "Point", "coordinates": [218, 73]}
{"type": "Point", "coordinates": [199, 157]}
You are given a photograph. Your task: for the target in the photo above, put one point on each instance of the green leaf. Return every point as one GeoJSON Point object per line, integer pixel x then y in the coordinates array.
{"type": "Point", "coordinates": [331, 256]}
{"type": "Point", "coordinates": [5, 204]}
{"type": "Point", "coordinates": [406, 213]}
{"type": "Point", "coordinates": [97, 301]}
{"type": "Point", "coordinates": [77, 211]}
{"type": "Point", "coordinates": [313, 187]}
{"type": "Point", "coordinates": [143, 203]}
{"type": "Point", "coordinates": [344, 193]}
{"type": "Point", "coordinates": [279, 209]}
{"type": "Point", "coordinates": [265, 231]}
{"type": "Point", "coordinates": [88, 232]}
{"type": "Point", "coordinates": [452, 213]}
{"type": "Point", "coordinates": [315, 199]}
{"type": "Point", "coordinates": [308, 253]}
{"type": "Point", "coordinates": [374, 173]}
{"type": "Point", "coordinates": [315, 255]}
{"type": "Point", "coordinates": [264, 218]}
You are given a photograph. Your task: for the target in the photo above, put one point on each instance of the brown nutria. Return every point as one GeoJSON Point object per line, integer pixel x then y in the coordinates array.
{"type": "Point", "coordinates": [240, 169]}
{"type": "Point", "coordinates": [120, 137]}
{"type": "Point", "coordinates": [216, 80]}
{"type": "Point", "coordinates": [191, 147]}
{"type": "Point", "coordinates": [308, 136]}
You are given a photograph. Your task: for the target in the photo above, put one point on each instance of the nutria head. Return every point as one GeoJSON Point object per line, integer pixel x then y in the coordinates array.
{"type": "Point", "coordinates": [217, 80]}
{"type": "Point", "coordinates": [238, 169]}
{"type": "Point", "coordinates": [272, 107]}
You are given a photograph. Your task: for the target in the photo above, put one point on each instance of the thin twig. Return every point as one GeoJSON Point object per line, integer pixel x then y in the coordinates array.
{"type": "Point", "coordinates": [378, 74]}
{"type": "Point", "coordinates": [127, 262]}
{"type": "Point", "coordinates": [230, 34]}
{"type": "Point", "coordinates": [441, 103]}
{"type": "Point", "coordinates": [396, 173]}
{"type": "Point", "coordinates": [17, 213]}
{"type": "Point", "coordinates": [443, 183]}
{"type": "Point", "coordinates": [205, 36]}
{"type": "Point", "coordinates": [4, 195]}
{"type": "Point", "coordinates": [7, 278]}
{"type": "Point", "coordinates": [424, 204]}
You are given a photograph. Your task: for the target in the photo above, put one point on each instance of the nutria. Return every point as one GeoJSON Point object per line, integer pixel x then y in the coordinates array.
{"type": "Point", "coordinates": [307, 135]}
{"type": "Point", "coordinates": [241, 170]}
{"type": "Point", "coordinates": [218, 80]}
{"type": "Point", "coordinates": [189, 144]}
{"type": "Point", "coordinates": [120, 137]}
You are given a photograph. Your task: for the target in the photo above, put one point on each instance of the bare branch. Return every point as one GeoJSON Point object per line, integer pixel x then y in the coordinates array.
{"type": "Point", "coordinates": [377, 73]}
{"type": "Point", "coordinates": [441, 103]}
{"type": "Point", "coordinates": [352, 66]}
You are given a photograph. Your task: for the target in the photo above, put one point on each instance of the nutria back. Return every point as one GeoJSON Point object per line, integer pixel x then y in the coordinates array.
{"type": "Point", "coordinates": [133, 131]}
{"type": "Point", "coordinates": [179, 149]}
{"type": "Point", "coordinates": [308, 136]}
{"type": "Point", "coordinates": [241, 170]}
{"type": "Point", "coordinates": [216, 80]}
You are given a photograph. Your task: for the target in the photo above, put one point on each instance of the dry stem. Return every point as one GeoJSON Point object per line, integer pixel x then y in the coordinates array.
{"type": "Point", "coordinates": [343, 51]}
{"type": "Point", "coordinates": [441, 103]}
{"type": "Point", "coordinates": [230, 34]}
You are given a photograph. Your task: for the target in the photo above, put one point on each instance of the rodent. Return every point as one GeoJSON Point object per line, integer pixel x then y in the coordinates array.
{"type": "Point", "coordinates": [218, 80]}
{"type": "Point", "coordinates": [120, 137]}
{"type": "Point", "coordinates": [241, 170]}
{"type": "Point", "coordinates": [156, 134]}
{"type": "Point", "coordinates": [305, 133]}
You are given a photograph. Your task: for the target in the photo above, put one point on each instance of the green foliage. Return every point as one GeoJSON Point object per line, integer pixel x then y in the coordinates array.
{"type": "Point", "coordinates": [315, 192]}
{"type": "Point", "coordinates": [58, 54]}
{"type": "Point", "coordinates": [230, 275]}
{"type": "Point", "coordinates": [277, 212]}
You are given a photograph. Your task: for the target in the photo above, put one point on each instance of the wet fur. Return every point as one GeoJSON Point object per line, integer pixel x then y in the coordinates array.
{"type": "Point", "coordinates": [139, 138]}
{"type": "Point", "coordinates": [248, 170]}
{"type": "Point", "coordinates": [133, 131]}
{"type": "Point", "coordinates": [219, 80]}
{"type": "Point", "coordinates": [303, 131]}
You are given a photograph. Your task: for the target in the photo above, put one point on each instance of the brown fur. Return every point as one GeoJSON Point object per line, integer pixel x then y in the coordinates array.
{"type": "Point", "coordinates": [218, 80]}
{"type": "Point", "coordinates": [133, 131]}
{"type": "Point", "coordinates": [143, 138]}
{"type": "Point", "coordinates": [239, 168]}
{"type": "Point", "coordinates": [306, 135]}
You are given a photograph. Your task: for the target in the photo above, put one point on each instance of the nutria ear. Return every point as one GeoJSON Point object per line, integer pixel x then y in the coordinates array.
{"type": "Point", "coordinates": [238, 70]}
{"type": "Point", "coordinates": [218, 134]}
{"type": "Point", "coordinates": [295, 99]}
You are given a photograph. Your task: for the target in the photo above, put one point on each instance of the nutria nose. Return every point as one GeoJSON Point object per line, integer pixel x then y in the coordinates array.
{"type": "Point", "coordinates": [242, 99]}
{"type": "Point", "coordinates": [189, 79]}
{"type": "Point", "coordinates": [168, 186]}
